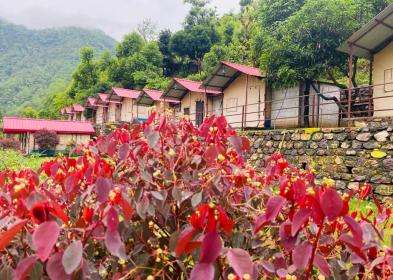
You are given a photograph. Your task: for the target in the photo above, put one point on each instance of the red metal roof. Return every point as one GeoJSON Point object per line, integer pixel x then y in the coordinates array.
{"type": "Point", "coordinates": [78, 108]}
{"type": "Point", "coordinates": [103, 97]}
{"type": "Point", "coordinates": [248, 70]}
{"type": "Point", "coordinates": [154, 93]}
{"type": "Point", "coordinates": [196, 86]}
{"type": "Point", "coordinates": [23, 125]}
{"type": "Point", "coordinates": [127, 93]}
{"type": "Point", "coordinates": [91, 101]}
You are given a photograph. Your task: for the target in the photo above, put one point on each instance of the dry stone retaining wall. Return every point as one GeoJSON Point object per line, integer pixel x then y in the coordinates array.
{"type": "Point", "coordinates": [350, 156]}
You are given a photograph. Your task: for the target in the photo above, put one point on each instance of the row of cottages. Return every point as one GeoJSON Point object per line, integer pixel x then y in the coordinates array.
{"type": "Point", "coordinates": [238, 92]}
{"type": "Point", "coordinates": [242, 95]}
{"type": "Point", "coordinates": [120, 105]}
{"type": "Point", "coordinates": [69, 132]}
{"type": "Point", "coordinates": [374, 41]}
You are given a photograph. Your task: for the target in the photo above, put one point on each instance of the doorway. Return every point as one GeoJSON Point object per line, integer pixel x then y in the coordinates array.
{"type": "Point", "coordinates": [200, 112]}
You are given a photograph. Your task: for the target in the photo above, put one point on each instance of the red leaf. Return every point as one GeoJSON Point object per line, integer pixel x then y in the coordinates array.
{"type": "Point", "coordinates": [112, 219]}
{"type": "Point", "coordinates": [44, 238]}
{"type": "Point", "coordinates": [7, 236]}
{"type": "Point", "coordinates": [211, 247]}
{"type": "Point", "coordinates": [103, 187]}
{"type": "Point", "coordinates": [241, 262]}
{"type": "Point", "coordinates": [114, 244]}
{"type": "Point", "coordinates": [273, 207]}
{"type": "Point", "coordinates": [24, 267]}
{"type": "Point", "coordinates": [72, 256]}
{"type": "Point", "coordinates": [210, 155]}
{"type": "Point", "coordinates": [184, 238]}
{"type": "Point", "coordinates": [58, 212]}
{"type": "Point", "coordinates": [331, 203]}
{"type": "Point", "coordinates": [124, 151]}
{"type": "Point", "coordinates": [301, 255]}
{"type": "Point", "coordinates": [55, 269]}
{"type": "Point", "coordinates": [70, 183]}
{"type": "Point", "coordinates": [322, 265]}
{"type": "Point", "coordinates": [299, 219]}
{"type": "Point", "coordinates": [260, 222]}
{"type": "Point", "coordinates": [355, 229]}
{"type": "Point", "coordinates": [202, 271]}
{"type": "Point", "coordinates": [127, 209]}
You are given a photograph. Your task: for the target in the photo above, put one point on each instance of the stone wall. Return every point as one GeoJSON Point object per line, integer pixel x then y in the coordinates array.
{"type": "Point", "coordinates": [350, 156]}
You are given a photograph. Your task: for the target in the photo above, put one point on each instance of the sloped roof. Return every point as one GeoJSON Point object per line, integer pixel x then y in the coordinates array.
{"type": "Point", "coordinates": [126, 93]}
{"type": "Point", "coordinates": [23, 125]}
{"type": "Point", "coordinates": [149, 96]}
{"type": "Point", "coordinates": [102, 98]}
{"type": "Point", "coordinates": [91, 101]}
{"type": "Point", "coordinates": [78, 108]}
{"type": "Point", "coordinates": [372, 37]}
{"type": "Point", "coordinates": [179, 87]}
{"type": "Point", "coordinates": [226, 72]}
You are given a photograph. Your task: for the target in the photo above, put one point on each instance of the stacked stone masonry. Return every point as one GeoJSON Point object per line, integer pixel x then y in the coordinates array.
{"type": "Point", "coordinates": [350, 156]}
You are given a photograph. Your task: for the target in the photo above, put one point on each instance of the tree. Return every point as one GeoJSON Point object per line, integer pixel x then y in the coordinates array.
{"type": "Point", "coordinates": [169, 66]}
{"type": "Point", "coordinates": [131, 44]}
{"type": "Point", "coordinates": [29, 112]}
{"type": "Point", "coordinates": [193, 43]}
{"type": "Point", "coordinates": [147, 29]}
{"type": "Point", "coordinates": [199, 14]}
{"type": "Point", "coordinates": [85, 76]}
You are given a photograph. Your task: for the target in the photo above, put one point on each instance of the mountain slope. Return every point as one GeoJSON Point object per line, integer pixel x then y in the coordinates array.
{"type": "Point", "coordinates": [30, 60]}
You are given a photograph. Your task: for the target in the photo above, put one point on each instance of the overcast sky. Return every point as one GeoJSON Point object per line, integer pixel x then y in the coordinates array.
{"type": "Point", "coordinates": [114, 17]}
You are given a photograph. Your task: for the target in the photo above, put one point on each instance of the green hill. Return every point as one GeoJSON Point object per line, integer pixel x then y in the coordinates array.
{"type": "Point", "coordinates": [33, 60]}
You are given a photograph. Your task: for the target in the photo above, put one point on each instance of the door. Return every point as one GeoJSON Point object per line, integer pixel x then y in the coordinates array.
{"type": "Point", "coordinates": [200, 111]}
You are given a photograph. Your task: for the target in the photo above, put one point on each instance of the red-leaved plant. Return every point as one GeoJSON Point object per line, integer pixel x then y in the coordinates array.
{"type": "Point", "coordinates": [167, 200]}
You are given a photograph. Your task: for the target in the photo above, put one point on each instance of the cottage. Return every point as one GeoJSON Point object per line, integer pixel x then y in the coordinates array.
{"type": "Point", "coordinates": [243, 94]}
{"type": "Point", "coordinates": [78, 112]}
{"type": "Point", "coordinates": [91, 109]}
{"type": "Point", "coordinates": [287, 106]}
{"type": "Point", "coordinates": [153, 99]}
{"type": "Point", "coordinates": [67, 113]}
{"type": "Point", "coordinates": [101, 108]}
{"type": "Point", "coordinates": [374, 41]}
{"type": "Point", "coordinates": [248, 101]}
{"type": "Point", "coordinates": [23, 129]}
{"type": "Point", "coordinates": [123, 106]}
{"type": "Point", "coordinates": [196, 100]}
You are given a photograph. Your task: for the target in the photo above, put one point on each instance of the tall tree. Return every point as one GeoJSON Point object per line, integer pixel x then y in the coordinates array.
{"type": "Point", "coordinates": [131, 44]}
{"type": "Point", "coordinates": [86, 74]}
{"type": "Point", "coordinates": [147, 29]}
{"type": "Point", "coordinates": [169, 63]}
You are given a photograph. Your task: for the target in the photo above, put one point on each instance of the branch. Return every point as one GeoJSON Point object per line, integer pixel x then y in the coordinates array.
{"type": "Point", "coordinates": [334, 80]}
{"type": "Point", "coordinates": [328, 98]}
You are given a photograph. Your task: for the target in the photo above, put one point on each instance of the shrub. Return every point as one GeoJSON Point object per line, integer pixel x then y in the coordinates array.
{"type": "Point", "coordinates": [46, 140]}
{"type": "Point", "coordinates": [9, 143]}
{"type": "Point", "coordinates": [166, 200]}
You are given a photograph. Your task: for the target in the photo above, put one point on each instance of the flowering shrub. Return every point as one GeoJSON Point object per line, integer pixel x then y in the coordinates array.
{"type": "Point", "coordinates": [9, 143]}
{"type": "Point", "coordinates": [46, 140]}
{"type": "Point", "coordinates": [167, 200]}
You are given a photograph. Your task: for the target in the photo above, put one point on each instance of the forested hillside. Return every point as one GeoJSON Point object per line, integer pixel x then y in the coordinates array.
{"type": "Point", "coordinates": [34, 63]}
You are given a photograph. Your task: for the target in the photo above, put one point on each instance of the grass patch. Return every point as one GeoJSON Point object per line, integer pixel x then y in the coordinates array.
{"type": "Point", "coordinates": [11, 159]}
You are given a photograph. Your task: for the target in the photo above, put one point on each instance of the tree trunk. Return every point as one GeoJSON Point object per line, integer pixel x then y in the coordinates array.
{"type": "Point", "coordinates": [306, 103]}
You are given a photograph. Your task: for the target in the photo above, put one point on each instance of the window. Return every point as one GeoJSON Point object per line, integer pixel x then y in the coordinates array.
{"type": "Point", "coordinates": [388, 82]}
{"type": "Point", "coordinates": [186, 111]}
{"type": "Point", "coordinates": [231, 105]}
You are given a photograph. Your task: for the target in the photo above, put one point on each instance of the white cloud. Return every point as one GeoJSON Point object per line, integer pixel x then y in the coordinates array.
{"type": "Point", "coordinates": [115, 17]}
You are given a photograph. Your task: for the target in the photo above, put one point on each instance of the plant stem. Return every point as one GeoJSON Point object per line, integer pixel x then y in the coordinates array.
{"type": "Point", "coordinates": [314, 249]}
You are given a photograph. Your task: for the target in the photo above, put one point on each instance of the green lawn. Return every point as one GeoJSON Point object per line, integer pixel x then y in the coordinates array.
{"type": "Point", "coordinates": [15, 160]}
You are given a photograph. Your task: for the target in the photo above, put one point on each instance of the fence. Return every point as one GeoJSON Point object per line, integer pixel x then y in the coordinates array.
{"type": "Point", "coordinates": [325, 109]}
